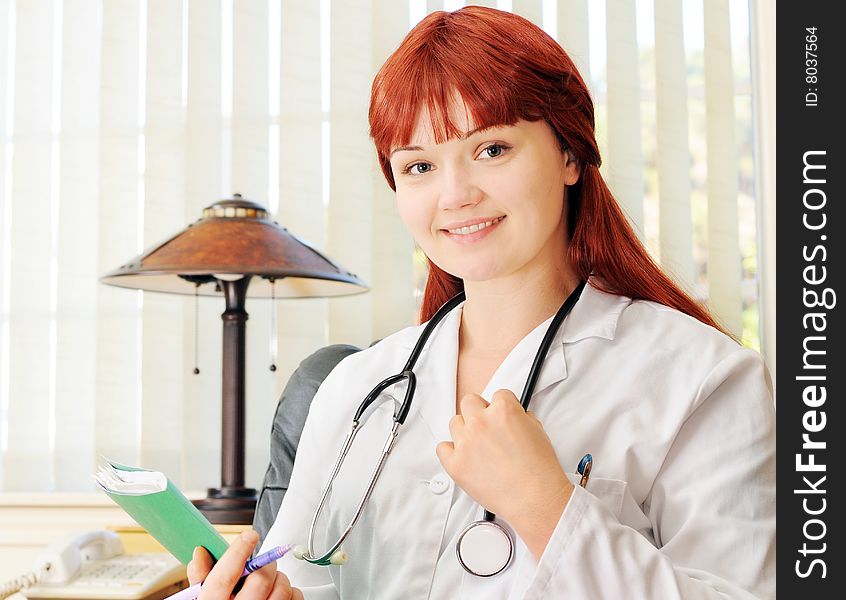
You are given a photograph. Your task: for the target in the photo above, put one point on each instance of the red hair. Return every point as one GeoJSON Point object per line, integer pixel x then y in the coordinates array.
{"type": "Point", "coordinates": [505, 68]}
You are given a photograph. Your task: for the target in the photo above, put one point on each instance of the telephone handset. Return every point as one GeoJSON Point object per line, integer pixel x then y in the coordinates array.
{"type": "Point", "coordinates": [93, 566]}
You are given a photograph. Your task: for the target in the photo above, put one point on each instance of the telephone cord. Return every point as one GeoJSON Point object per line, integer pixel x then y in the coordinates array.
{"type": "Point", "coordinates": [19, 583]}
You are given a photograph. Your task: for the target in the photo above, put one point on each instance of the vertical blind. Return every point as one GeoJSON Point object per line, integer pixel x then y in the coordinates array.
{"type": "Point", "coordinates": [121, 119]}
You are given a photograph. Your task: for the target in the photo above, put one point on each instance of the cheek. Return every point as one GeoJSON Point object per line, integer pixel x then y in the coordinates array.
{"type": "Point", "coordinates": [549, 192]}
{"type": "Point", "coordinates": [413, 213]}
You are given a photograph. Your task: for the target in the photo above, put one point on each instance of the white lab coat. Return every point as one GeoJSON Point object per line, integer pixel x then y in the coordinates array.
{"type": "Point", "coordinates": [680, 503]}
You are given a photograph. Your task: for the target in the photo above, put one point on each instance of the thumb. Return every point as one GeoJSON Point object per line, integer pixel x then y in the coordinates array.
{"type": "Point", "coordinates": [444, 450]}
{"type": "Point", "coordinates": [227, 572]}
{"type": "Point", "coordinates": [200, 565]}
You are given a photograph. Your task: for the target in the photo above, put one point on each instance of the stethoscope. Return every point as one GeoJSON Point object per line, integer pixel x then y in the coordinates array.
{"type": "Point", "coordinates": [484, 547]}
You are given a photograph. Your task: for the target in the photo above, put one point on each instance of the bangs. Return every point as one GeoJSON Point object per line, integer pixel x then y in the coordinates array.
{"type": "Point", "coordinates": [503, 68]}
{"type": "Point", "coordinates": [433, 82]}
{"type": "Point", "coordinates": [461, 55]}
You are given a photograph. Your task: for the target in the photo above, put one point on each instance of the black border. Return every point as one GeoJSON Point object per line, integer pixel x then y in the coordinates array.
{"type": "Point", "coordinates": [801, 128]}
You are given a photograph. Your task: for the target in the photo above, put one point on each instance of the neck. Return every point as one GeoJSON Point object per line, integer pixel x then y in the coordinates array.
{"type": "Point", "coordinates": [497, 315]}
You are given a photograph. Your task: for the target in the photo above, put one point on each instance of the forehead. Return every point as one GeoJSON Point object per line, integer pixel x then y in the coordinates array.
{"type": "Point", "coordinates": [457, 113]}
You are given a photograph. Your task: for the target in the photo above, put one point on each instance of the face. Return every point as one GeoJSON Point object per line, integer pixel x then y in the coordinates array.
{"type": "Point", "coordinates": [489, 206]}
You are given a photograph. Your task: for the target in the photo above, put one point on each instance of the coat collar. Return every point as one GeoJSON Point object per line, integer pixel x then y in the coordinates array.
{"type": "Point", "coordinates": [595, 315]}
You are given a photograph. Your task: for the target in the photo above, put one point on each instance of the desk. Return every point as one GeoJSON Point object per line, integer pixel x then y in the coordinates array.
{"type": "Point", "coordinates": [135, 539]}
{"type": "Point", "coordinates": [30, 522]}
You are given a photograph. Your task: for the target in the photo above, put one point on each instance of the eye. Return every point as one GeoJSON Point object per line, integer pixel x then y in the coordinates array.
{"type": "Point", "coordinates": [493, 151]}
{"type": "Point", "coordinates": [418, 168]}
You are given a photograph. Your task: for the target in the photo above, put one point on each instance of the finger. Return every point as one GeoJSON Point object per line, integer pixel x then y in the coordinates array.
{"type": "Point", "coordinates": [506, 399]}
{"type": "Point", "coordinates": [282, 589]}
{"type": "Point", "coordinates": [259, 583]}
{"type": "Point", "coordinates": [444, 450]}
{"type": "Point", "coordinates": [472, 405]}
{"type": "Point", "coordinates": [228, 569]}
{"type": "Point", "coordinates": [200, 565]}
{"type": "Point", "coordinates": [456, 427]}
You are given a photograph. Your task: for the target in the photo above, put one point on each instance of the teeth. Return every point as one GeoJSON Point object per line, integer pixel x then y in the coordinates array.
{"type": "Point", "coordinates": [473, 228]}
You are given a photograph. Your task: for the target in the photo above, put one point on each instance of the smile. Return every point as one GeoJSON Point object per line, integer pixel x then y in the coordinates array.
{"type": "Point", "coordinates": [474, 228]}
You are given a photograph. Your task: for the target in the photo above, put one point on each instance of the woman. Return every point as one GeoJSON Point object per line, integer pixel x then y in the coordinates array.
{"type": "Point", "coordinates": [485, 130]}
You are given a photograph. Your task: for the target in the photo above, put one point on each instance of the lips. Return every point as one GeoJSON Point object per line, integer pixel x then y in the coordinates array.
{"type": "Point", "coordinates": [473, 226]}
{"type": "Point", "coordinates": [472, 231]}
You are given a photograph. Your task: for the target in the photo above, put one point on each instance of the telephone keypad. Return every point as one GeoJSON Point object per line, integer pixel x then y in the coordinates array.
{"type": "Point", "coordinates": [125, 570]}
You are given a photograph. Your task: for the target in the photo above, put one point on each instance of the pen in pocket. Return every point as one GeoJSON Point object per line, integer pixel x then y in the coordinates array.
{"type": "Point", "coordinates": [584, 469]}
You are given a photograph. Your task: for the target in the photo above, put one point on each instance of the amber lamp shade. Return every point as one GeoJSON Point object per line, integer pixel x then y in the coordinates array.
{"type": "Point", "coordinates": [235, 250]}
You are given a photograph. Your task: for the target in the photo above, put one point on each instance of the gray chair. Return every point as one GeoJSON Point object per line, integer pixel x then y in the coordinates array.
{"type": "Point", "coordinates": [288, 424]}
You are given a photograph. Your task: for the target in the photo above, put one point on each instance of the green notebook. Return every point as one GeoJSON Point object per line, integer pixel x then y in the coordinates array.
{"type": "Point", "coordinates": [159, 507]}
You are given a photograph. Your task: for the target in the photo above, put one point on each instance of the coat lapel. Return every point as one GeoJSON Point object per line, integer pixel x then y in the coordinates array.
{"type": "Point", "coordinates": [435, 371]}
{"type": "Point", "coordinates": [594, 315]}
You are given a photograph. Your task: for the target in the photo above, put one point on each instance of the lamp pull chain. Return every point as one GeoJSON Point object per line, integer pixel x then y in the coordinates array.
{"type": "Point", "coordinates": [273, 339]}
{"type": "Point", "coordinates": [196, 327]}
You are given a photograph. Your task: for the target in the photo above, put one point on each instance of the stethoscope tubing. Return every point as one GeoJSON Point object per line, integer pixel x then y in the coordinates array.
{"type": "Point", "coordinates": [386, 450]}
{"type": "Point", "coordinates": [540, 356]}
{"type": "Point", "coordinates": [401, 412]}
{"type": "Point", "coordinates": [546, 342]}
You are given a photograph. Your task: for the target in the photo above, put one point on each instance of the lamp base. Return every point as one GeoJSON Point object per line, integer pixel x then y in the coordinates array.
{"type": "Point", "coordinates": [229, 505]}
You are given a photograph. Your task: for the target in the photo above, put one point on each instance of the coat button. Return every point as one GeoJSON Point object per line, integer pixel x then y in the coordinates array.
{"type": "Point", "coordinates": [439, 484]}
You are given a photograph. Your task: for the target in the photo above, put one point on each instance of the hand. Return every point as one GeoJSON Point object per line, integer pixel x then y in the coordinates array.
{"type": "Point", "coordinates": [501, 456]}
{"type": "Point", "coordinates": [219, 579]}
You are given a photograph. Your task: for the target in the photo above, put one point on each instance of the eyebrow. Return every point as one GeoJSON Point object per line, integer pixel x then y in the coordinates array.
{"type": "Point", "coordinates": [460, 137]}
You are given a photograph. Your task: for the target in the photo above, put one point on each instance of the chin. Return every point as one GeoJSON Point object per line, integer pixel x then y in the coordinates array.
{"type": "Point", "coordinates": [475, 274]}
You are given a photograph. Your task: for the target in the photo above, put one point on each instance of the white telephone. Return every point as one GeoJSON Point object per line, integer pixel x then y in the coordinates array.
{"type": "Point", "coordinates": [93, 566]}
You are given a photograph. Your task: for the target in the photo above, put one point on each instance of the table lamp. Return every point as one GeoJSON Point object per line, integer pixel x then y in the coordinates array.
{"type": "Point", "coordinates": [235, 250]}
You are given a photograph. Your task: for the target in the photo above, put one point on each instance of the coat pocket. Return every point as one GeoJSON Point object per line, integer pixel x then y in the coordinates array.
{"type": "Point", "coordinates": [610, 492]}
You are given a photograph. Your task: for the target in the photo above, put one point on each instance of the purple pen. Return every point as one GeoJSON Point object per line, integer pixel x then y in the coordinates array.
{"type": "Point", "coordinates": [264, 559]}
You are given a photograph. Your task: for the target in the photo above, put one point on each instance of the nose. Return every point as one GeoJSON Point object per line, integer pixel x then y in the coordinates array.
{"type": "Point", "coordinates": [458, 190]}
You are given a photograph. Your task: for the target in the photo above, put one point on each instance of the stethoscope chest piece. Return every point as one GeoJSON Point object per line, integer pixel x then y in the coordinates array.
{"type": "Point", "coordinates": [484, 548]}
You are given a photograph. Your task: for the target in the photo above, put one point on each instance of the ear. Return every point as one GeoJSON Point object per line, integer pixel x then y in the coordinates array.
{"type": "Point", "coordinates": [572, 170]}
